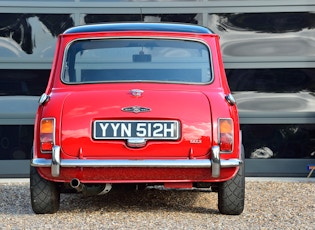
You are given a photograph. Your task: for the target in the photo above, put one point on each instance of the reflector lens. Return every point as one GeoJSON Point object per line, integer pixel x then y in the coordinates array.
{"type": "Point", "coordinates": [46, 146]}
{"type": "Point", "coordinates": [226, 134]}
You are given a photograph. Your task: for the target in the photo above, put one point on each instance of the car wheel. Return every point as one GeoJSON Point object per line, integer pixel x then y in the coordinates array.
{"type": "Point", "coordinates": [231, 193]}
{"type": "Point", "coordinates": [45, 195]}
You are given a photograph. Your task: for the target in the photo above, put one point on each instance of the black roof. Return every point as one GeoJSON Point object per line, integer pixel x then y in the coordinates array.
{"type": "Point", "coordinates": [167, 27]}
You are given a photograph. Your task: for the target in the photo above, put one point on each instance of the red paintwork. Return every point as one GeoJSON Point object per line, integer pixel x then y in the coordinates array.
{"type": "Point", "coordinates": [197, 107]}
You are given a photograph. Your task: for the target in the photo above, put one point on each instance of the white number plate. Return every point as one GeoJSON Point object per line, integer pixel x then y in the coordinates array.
{"type": "Point", "coordinates": [109, 129]}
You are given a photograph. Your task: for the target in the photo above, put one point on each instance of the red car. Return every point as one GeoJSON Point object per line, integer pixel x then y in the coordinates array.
{"type": "Point", "coordinates": [139, 104]}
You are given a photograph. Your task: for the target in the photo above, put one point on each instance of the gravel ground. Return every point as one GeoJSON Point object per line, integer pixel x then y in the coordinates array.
{"type": "Point", "coordinates": [270, 204]}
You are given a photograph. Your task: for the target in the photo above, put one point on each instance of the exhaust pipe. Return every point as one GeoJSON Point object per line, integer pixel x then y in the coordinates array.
{"type": "Point", "coordinates": [76, 184]}
{"type": "Point", "coordinates": [90, 189]}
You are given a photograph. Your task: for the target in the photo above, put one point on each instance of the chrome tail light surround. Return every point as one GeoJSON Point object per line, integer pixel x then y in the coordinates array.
{"type": "Point", "coordinates": [47, 134]}
{"type": "Point", "coordinates": [226, 135]}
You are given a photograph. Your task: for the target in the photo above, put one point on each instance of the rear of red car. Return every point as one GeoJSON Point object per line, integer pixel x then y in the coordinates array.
{"type": "Point", "coordinates": [137, 103]}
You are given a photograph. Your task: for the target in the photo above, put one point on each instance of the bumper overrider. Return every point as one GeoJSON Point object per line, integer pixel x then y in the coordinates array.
{"type": "Point", "coordinates": [215, 163]}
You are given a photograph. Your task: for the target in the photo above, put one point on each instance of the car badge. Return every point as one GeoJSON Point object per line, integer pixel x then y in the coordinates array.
{"type": "Point", "coordinates": [136, 109]}
{"type": "Point", "coordinates": [136, 92]}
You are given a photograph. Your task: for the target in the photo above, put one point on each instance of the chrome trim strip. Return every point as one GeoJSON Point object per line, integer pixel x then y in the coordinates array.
{"type": "Point", "coordinates": [231, 163]}
{"type": "Point", "coordinates": [205, 163]}
{"type": "Point", "coordinates": [41, 162]}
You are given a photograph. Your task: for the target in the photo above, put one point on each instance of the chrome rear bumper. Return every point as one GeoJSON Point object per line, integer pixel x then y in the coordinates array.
{"type": "Point", "coordinates": [215, 163]}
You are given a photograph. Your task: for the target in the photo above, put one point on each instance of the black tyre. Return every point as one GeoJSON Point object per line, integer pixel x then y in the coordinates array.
{"type": "Point", "coordinates": [231, 193]}
{"type": "Point", "coordinates": [45, 195]}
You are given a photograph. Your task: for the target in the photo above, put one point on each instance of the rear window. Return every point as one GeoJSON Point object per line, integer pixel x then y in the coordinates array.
{"type": "Point", "coordinates": [137, 60]}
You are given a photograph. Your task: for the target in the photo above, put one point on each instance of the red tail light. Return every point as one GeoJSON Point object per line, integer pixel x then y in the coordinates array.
{"type": "Point", "coordinates": [226, 134]}
{"type": "Point", "coordinates": [47, 134]}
